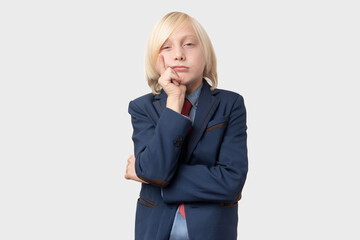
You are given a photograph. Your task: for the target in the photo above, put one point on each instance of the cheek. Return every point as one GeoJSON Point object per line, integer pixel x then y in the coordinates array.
{"type": "Point", "coordinates": [201, 63]}
{"type": "Point", "coordinates": [200, 59]}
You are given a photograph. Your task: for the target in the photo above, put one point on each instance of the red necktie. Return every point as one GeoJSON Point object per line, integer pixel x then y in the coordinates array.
{"type": "Point", "coordinates": [186, 108]}
{"type": "Point", "coordinates": [185, 111]}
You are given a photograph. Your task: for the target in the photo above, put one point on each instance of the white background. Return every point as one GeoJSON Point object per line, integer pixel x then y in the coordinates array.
{"type": "Point", "coordinates": [68, 70]}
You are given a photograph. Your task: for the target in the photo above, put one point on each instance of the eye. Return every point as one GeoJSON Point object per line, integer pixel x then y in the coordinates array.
{"type": "Point", "coordinates": [165, 47]}
{"type": "Point", "coordinates": [189, 44]}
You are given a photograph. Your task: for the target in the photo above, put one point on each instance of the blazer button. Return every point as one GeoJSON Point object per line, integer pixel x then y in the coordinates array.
{"type": "Point", "coordinates": [178, 141]}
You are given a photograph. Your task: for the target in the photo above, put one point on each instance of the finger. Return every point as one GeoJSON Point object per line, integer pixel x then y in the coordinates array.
{"type": "Point", "coordinates": [144, 181]}
{"type": "Point", "coordinates": [131, 159]}
{"type": "Point", "coordinates": [176, 80]}
{"type": "Point", "coordinates": [160, 64]}
{"type": "Point", "coordinates": [175, 73]}
{"type": "Point", "coordinates": [169, 76]}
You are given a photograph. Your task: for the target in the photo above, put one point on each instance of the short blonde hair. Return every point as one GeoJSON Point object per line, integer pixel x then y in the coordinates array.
{"type": "Point", "coordinates": [161, 32]}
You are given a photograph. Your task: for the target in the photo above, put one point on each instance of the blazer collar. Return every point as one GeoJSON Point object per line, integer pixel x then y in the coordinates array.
{"type": "Point", "coordinates": [160, 102]}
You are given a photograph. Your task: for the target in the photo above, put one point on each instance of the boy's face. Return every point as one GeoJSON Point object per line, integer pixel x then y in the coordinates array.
{"type": "Point", "coordinates": [183, 53]}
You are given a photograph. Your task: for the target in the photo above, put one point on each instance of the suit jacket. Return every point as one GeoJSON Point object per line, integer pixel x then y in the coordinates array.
{"type": "Point", "coordinates": [207, 172]}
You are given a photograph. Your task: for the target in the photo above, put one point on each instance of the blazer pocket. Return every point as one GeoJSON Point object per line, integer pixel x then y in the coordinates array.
{"type": "Point", "coordinates": [228, 205]}
{"type": "Point", "coordinates": [217, 123]}
{"type": "Point", "coordinates": [146, 202]}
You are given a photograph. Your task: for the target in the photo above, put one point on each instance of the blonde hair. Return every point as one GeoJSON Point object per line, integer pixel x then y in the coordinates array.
{"type": "Point", "coordinates": [161, 32]}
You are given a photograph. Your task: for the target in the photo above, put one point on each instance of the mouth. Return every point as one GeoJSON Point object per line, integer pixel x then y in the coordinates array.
{"type": "Point", "coordinates": [180, 68]}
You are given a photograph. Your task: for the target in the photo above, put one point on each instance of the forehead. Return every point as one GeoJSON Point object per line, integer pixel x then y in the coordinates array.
{"type": "Point", "coordinates": [184, 31]}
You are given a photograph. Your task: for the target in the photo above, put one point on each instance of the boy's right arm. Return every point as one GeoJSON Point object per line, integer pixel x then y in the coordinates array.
{"type": "Point", "coordinates": [157, 146]}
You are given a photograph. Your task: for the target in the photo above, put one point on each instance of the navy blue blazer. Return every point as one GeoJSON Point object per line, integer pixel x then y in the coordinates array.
{"type": "Point", "coordinates": [207, 172]}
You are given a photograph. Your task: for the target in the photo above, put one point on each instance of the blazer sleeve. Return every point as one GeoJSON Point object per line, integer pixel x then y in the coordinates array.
{"type": "Point", "coordinates": [222, 182]}
{"type": "Point", "coordinates": [157, 145]}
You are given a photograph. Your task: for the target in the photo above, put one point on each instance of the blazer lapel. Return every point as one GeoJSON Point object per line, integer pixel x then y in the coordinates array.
{"type": "Point", "coordinates": [207, 105]}
{"type": "Point", "coordinates": [160, 102]}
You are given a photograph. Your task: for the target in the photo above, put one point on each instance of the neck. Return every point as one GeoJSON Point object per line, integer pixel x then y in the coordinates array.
{"type": "Point", "coordinates": [193, 86]}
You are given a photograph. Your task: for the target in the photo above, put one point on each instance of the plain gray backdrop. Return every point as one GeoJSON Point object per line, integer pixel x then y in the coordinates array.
{"type": "Point", "coordinates": [68, 70]}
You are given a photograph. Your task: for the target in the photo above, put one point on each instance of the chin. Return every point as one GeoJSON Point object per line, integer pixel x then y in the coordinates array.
{"type": "Point", "coordinates": [191, 81]}
{"type": "Point", "coordinates": [186, 82]}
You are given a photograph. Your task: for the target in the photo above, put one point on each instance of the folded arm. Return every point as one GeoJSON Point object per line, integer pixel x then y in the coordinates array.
{"type": "Point", "coordinates": [157, 146]}
{"type": "Point", "coordinates": [222, 182]}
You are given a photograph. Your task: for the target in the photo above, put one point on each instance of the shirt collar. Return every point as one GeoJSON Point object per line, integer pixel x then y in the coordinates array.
{"type": "Point", "coordinates": [194, 96]}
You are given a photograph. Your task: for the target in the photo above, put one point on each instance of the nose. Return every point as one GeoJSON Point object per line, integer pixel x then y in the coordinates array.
{"type": "Point", "coordinates": [179, 54]}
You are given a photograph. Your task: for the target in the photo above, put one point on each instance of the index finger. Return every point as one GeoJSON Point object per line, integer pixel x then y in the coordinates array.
{"type": "Point", "coordinates": [160, 64]}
